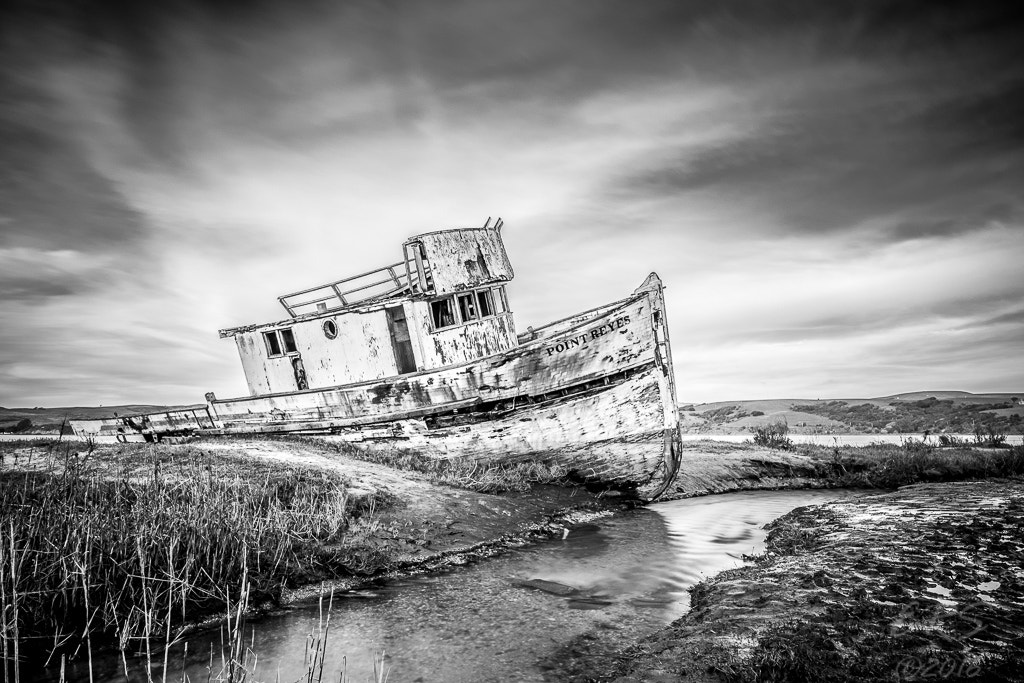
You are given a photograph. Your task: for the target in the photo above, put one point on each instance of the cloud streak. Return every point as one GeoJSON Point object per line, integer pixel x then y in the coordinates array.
{"type": "Point", "coordinates": [825, 187]}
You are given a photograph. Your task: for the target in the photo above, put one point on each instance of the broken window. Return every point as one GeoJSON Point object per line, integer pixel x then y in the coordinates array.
{"type": "Point", "coordinates": [467, 307]}
{"type": "Point", "coordinates": [273, 344]}
{"type": "Point", "coordinates": [288, 341]}
{"type": "Point", "coordinates": [442, 313]}
{"type": "Point", "coordinates": [486, 303]}
{"type": "Point", "coordinates": [280, 342]}
{"type": "Point", "coordinates": [500, 303]}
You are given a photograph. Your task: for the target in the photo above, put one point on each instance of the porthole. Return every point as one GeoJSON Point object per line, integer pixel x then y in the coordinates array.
{"type": "Point", "coordinates": [330, 329]}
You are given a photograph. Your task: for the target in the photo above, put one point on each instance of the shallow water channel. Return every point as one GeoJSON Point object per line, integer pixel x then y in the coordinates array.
{"type": "Point", "coordinates": [617, 577]}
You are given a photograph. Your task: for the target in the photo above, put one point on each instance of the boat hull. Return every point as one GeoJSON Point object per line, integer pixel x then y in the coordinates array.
{"type": "Point", "coordinates": [594, 393]}
{"type": "Point", "coordinates": [615, 435]}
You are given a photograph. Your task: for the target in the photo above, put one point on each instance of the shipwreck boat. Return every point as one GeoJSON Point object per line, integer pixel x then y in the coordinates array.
{"type": "Point", "coordinates": [423, 355]}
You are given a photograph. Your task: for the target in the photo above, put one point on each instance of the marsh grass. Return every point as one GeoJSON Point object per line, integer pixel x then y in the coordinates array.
{"type": "Point", "coordinates": [126, 548]}
{"type": "Point", "coordinates": [895, 465]}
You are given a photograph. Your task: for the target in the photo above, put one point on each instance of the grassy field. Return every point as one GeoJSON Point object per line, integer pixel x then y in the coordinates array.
{"type": "Point", "coordinates": [955, 412]}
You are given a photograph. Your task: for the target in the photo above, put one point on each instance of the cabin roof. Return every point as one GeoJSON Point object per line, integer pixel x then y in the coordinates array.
{"type": "Point", "coordinates": [388, 285]}
{"type": "Point", "coordinates": [410, 278]}
{"type": "Point", "coordinates": [414, 274]}
{"type": "Point", "coordinates": [365, 307]}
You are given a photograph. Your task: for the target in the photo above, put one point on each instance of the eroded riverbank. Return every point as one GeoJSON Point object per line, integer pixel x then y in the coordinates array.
{"type": "Point", "coordinates": [925, 583]}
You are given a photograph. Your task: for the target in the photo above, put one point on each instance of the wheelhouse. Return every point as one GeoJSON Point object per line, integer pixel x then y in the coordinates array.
{"type": "Point", "coordinates": [444, 304]}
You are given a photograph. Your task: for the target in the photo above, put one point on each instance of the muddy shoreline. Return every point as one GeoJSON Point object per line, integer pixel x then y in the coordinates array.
{"type": "Point", "coordinates": [924, 583]}
{"type": "Point", "coordinates": [427, 525]}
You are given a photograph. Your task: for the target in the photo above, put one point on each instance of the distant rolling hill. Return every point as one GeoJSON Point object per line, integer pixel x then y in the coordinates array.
{"type": "Point", "coordinates": [908, 413]}
{"type": "Point", "coordinates": [49, 419]}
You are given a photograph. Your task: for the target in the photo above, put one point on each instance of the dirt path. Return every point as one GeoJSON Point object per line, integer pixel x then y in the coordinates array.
{"type": "Point", "coordinates": [423, 522]}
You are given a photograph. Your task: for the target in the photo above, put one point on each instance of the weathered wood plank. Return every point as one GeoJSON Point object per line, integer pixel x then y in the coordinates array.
{"type": "Point", "coordinates": [617, 435]}
{"type": "Point", "coordinates": [291, 423]}
{"type": "Point", "coordinates": [464, 259]}
{"type": "Point", "coordinates": [183, 419]}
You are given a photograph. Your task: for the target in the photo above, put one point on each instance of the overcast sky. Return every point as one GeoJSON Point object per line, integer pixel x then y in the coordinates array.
{"type": "Point", "coordinates": [832, 191]}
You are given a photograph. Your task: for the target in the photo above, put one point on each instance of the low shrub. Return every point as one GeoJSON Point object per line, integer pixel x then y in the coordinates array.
{"type": "Point", "coordinates": [773, 435]}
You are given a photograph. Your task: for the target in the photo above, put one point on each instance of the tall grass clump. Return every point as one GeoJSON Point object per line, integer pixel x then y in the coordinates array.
{"type": "Point", "coordinates": [892, 466]}
{"type": "Point", "coordinates": [773, 435]}
{"type": "Point", "coordinates": [91, 555]}
{"type": "Point", "coordinates": [921, 465]}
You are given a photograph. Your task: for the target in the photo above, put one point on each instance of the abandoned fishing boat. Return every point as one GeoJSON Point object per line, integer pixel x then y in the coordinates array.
{"type": "Point", "coordinates": [423, 355]}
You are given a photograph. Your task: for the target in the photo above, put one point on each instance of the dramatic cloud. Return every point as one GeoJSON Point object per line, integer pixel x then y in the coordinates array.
{"type": "Point", "coordinates": [831, 190]}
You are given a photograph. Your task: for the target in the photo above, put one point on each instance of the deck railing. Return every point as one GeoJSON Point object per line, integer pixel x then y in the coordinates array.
{"type": "Point", "coordinates": [380, 283]}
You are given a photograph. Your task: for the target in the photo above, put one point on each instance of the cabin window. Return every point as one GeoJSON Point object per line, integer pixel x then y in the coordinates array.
{"type": "Point", "coordinates": [288, 341]}
{"type": "Point", "coordinates": [467, 307]}
{"type": "Point", "coordinates": [330, 329]}
{"type": "Point", "coordinates": [442, 313]}
{"type": "Point", "coordinates": [500, 303]}
{"type": "Point", "coordinates": [280, 342]}
{"type": "Point", "coordinates": [273, 343]}
{"type": "Point", "coordinates": [485, 302]}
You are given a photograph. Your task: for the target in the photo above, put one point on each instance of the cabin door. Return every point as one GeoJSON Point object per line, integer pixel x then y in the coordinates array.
{"type": "Point", "coordinates": [404, 358]}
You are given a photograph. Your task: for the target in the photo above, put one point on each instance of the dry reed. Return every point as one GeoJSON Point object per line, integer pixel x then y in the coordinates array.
{"type": "Point", "coordinates": [128, 557]}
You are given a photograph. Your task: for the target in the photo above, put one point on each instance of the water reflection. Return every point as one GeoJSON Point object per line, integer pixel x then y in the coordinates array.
{"type": "Point", "coordinates": [620, 576]}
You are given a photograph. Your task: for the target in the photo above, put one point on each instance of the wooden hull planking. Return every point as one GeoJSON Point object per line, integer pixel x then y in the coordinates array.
{"type": "Point", "coordinates": [616, 435]}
